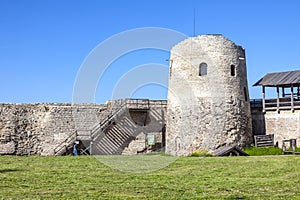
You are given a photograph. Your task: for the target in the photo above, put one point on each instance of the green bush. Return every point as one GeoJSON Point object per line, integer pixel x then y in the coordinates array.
{"type": "Point", "coordinates": [296, 150]}
{"type": "Point", "coordinates": [201, 153]}
{"type": "Point", "coordinates": [254, 151]}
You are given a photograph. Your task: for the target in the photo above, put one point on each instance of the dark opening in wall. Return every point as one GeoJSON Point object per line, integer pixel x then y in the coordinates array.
{"type": "Point", "coordinates": [140, 117]}
{"type": "Point", "coordinates": [232, 70]}
{"type": "Point", "coordinates": [245, 94]}
{"type": "Point", "coordinates": [202, 69]}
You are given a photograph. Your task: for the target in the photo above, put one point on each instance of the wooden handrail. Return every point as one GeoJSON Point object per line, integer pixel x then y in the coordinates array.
{"type": "Point", "coordinates": [101, 125]}
{"type": "Point", "coordinates": [68, 140]}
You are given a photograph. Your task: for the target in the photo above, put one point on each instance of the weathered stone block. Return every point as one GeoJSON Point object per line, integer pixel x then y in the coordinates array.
{"type": "Point", "coordinates": [7, 148]}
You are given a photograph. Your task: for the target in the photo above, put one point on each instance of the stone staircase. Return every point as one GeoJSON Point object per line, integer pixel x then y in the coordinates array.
{"type": "Point", "coordinates": [88, 136]}
{"type": "Point", "coordinates": [119, 131]}
{"type": "Point", "coordinates": [115, 138]}
{"type": "Point", "coordinates": [110, 136]}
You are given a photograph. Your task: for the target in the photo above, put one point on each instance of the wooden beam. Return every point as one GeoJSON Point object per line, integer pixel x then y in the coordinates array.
{"type": "Point", "coordinates": [264, 98]}
{"type": "Point", "coordinates": [292, 98]}
{"type": "Point", "coordinates": [277, 92]}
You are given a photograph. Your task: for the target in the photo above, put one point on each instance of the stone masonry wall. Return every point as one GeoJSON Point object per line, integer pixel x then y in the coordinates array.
{"type": "Point", "coordinates": [27, 129]}
{"type": "Point", "coordinates": [284, 125]}
{"type": "Point", "coordinates": [38, 128]}
{"type": "Point", "coordinates": [209, 110]}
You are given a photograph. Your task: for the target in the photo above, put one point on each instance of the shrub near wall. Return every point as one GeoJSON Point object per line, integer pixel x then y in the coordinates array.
{"type": "Point", "coordinates": [254, 151]}
{"type": "Point", "coordinates": [201, 153]}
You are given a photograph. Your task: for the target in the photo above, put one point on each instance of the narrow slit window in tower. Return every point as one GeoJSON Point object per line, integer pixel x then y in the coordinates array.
{"type": "Point", "coordinates": [232, 70]}
{"type": "Point", "coordinates": [202, 69]}
{"type": "Point", "coordinates": [245, 94]}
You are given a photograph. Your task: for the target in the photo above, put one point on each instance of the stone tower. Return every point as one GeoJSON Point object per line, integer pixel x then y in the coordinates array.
{"type": "Point", "coordinates": [208, 100]}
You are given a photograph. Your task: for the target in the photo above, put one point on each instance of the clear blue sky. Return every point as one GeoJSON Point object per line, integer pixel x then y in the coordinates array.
{"type": "Point", "coordinates": [44, 42]}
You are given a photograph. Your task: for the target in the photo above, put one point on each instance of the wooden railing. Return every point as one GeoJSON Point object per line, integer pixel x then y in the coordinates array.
{"type": "Point", "coordinates": [137, 104]}
{"type": "Point", "coordinates": [107, 122]}
{"type": "Point", "coordinates": [70, 139]}
{"type": "Point", "coordinates": [98, 130]}
{"type": "Point", "coordinates": [127, 104]}
{"type": "Point", "coordinates": [63, 146]}
{"type": "Point", "coordinates": [264, 140]}
{"type": "Point", "coordinates": [284, 103]}
{"type": "Point", "coordinates": [256, 103]}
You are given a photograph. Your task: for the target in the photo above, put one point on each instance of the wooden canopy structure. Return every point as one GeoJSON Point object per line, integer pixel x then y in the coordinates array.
{"type": "Point", "coordinates": [229, 151]}
{"type": "Point", "coordinates": [282, 81]}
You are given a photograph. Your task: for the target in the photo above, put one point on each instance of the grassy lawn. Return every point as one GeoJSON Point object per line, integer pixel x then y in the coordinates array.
{"type": "Point", "coordinates": [33, 177]}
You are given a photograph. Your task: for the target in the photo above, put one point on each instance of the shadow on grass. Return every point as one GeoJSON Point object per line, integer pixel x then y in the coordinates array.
{"type": "Point", "coordinates": [10, 170]}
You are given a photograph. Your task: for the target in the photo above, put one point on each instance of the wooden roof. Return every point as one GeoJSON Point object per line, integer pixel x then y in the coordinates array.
{"type": "Point", "coordinates": [229, 150]}
{"type": "Point", "coordinates": [280, 79]}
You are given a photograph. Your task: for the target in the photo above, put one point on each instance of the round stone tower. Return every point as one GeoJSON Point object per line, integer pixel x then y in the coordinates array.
{"type": "Point", "coordinates": [208, 100]}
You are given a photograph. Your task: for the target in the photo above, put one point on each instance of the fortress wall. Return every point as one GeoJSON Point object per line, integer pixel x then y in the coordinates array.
{"type": "Point", "coordinates": [27, 129]}
{"type": "Point", "coordinates": [284, 125]}
{"type": "Point", "coordinates": [38, 128]}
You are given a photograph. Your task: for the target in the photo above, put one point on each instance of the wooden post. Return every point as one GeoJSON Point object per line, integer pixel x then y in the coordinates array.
{"type": "Point", "coordinates": [264, 98]}
{"type": "Point", "coordinates": [292, 98]}
{"type": "Point", "coordinates": [91, 148]}
{"type": "Point", "coordinates": [277, 91]}
{"type": "Point", "coordinates": [283, 94]}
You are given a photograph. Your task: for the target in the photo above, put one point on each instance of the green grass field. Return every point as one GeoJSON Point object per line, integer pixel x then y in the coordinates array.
{"type": "Point", "coordinates": [84, 177]}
